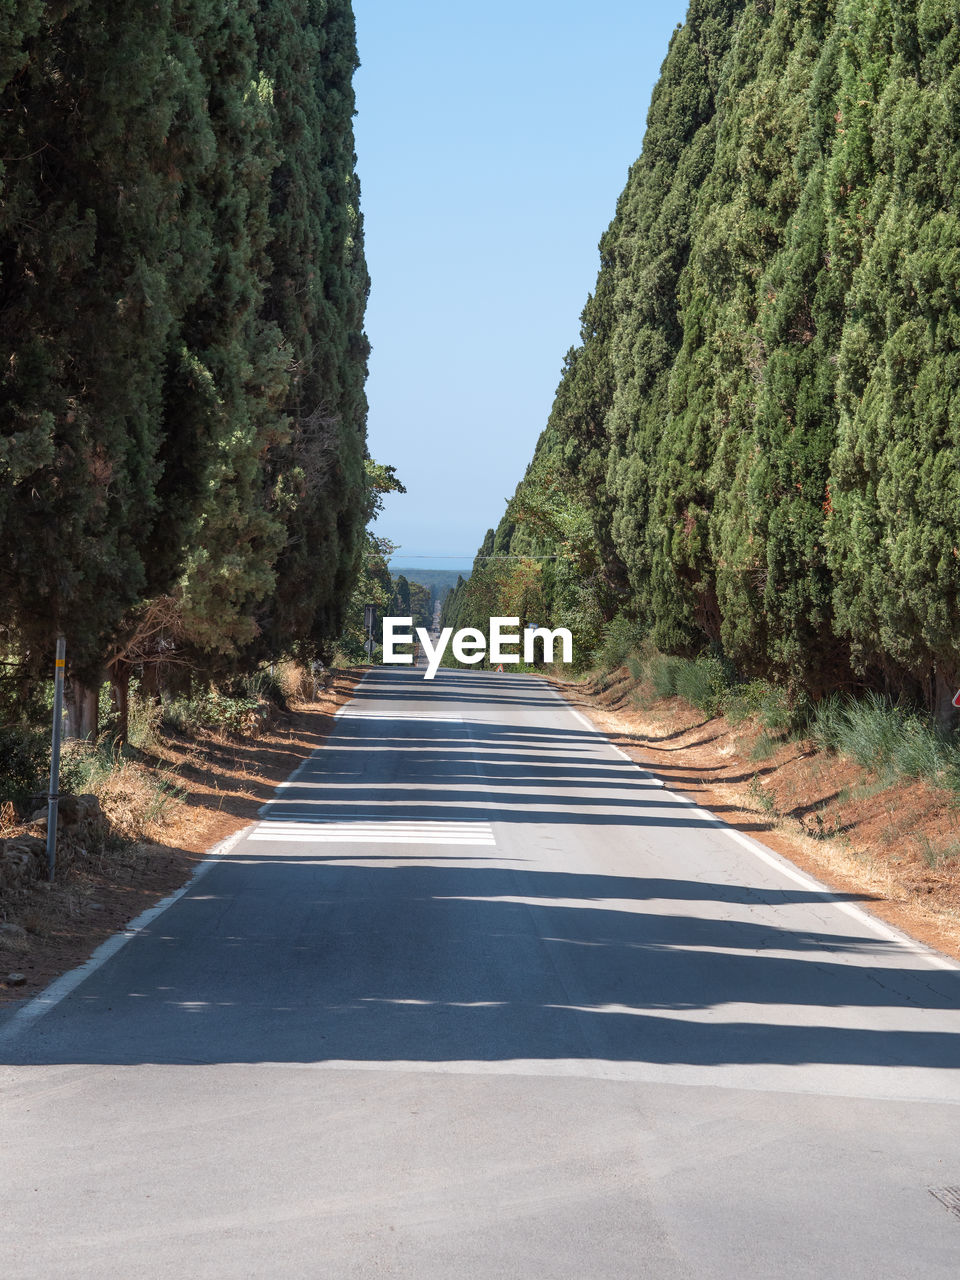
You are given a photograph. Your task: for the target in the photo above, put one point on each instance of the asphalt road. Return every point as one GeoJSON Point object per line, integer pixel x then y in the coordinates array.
{"type": "Point", "coordinates": [477, 997]}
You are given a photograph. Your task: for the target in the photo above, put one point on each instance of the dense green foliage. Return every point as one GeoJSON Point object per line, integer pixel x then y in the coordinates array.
{"type": "Point", "coordinates": [755, 449]}
{"type": "Point", "coordinates": [182, 287]}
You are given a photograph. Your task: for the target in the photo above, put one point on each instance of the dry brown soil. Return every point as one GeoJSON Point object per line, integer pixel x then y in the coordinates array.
{"type": "Point", "coordinates": [220, 782]}
{"type": "Point", "coordinates": [887, 844]}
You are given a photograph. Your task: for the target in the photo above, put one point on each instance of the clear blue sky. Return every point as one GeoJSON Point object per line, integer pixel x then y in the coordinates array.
{"type": "Point", "coordinates": [492, 142]}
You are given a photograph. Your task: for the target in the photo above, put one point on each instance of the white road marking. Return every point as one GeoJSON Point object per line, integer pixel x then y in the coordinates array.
{"type": "Point", "coordinates": [779, 863]}
{"type": "Point", "coordinates": [62, 987]}
{"type": "Point", "coordinates": [395, 715]}
{"type": "Point", "coordinates": [375, 832]}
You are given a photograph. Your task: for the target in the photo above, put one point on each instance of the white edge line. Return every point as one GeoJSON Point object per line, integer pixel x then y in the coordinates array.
{"type": "Point", "coordinates": [61, 987]}
{"type": "Point", "coordinates": [289, 782]}
{"type": "Point", "coordinates": [782, 864]}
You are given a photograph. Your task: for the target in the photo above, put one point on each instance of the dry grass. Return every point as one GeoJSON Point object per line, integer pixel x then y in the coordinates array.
{"type": "Point", "coordinates": [298, 684]}
{"type": "Point", "coordinates": [136, 800]}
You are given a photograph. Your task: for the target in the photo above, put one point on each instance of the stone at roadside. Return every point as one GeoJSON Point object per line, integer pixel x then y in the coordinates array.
{"type": "Point", "coordinates": [76, 809]}
{"type": "Point", "coordinates": [11, 932]}
{"type": "Point", "coordinates": [16, 980]}
{"type": "Point", "coordinates": [71, 811]}
{"type": "Point", "coordinates": [21, 860]}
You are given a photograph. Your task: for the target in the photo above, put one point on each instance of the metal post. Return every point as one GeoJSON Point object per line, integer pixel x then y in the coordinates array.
{"type": "Point", "coordinates": [53, 799]}
{"type": "Point", "coordinates": [369, 625]}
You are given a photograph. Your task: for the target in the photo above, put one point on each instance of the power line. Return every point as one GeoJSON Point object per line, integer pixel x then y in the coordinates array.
{"type": "Point", "coordinates": [491, 556]}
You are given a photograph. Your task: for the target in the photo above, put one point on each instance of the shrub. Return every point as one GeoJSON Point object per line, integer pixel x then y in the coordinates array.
{"type": "Point", "coordinates": [298, 682]}
{"type": "Point", "coordinates": [780, 713]}
{"type": "Point", "coordinates": [662, 672]}
{"type": "Point", "coordinates": [886, 737]}
{"type": "Point", "coordinates": [920, 751]}
{"type": "Point", "coordinates": [85, 765]}
{"type": "Point", "coordinates": [133, 799]}
{"type": "Point", "coordinates": [871, 730]}
{"type": "Point", "coordinates": [745, 700]}
{"type": "Point", "coordinates": [216, 711]}
{"type": "Point", "coordinates": [143, 721]}
{"type": "Point", "coordinates": [635, 666]}
{"type": "Point", "coordinates": [827, 721]}
{"type": "Point", "coordinates": [261, 686]}
{"type": "Point", "coordinates": [24, 763]}
{"type": "Point", "coordinates": [620, 639]}
{"type": "Point", "coordinates": [703, 682]}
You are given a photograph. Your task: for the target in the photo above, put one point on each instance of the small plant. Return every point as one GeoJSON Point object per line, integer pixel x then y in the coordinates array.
{"type": "Point", "coordinates": [744, 701]}
{"type": "Point", "coordinates": [936, 855]}
{"type": "Point", "coordinates": [920, 751]}
{"type": "Point", "coordinates": [264, 685]}
{"type": "Point", "coordinates": [887, 738]}
{"type": "Point", "coordinates": [871, 731]}
{"type": "Point", "coordinates": [85, 765]}
{"type": "Point", "coordinates": [762, 797]}
{"type": "Point", "coordinates": [217, 712]}
{"type": "Point", "coordinates": [822, 830]}
{"type": "Point", "coordinates": [143, 721]}
{"type": "Point", "coordinates": [765, 746]}
{"type": "Point", "coordinates": [700, 683]}
{"type": "Point", "coordinates": [779, 712]}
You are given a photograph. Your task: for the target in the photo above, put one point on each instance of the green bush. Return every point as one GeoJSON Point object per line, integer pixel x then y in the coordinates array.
{"type": "Point", "coordinates": [745, 700]}
{"type": "Point", "coordinates": [920, 751]}
{"type": "Point", "coordinates": [635, 666]}
{"type": "Point", "coordinates": [871, 730]}
{"type": "Point", "coordinates": [662, 673]}
{"type": "Point", "coordinates": [261, 686]}
{"type": "Point", "coordinates": [143, 721]}
{"type": "Point", "coordinates": [826, 722]}
{"type": "Point", "coordinates": [703, 682]}
{"type": "Point", "coordinates": [216, 711]}
{"type": "Point", "coordinates": [779, 713]}
{"type": "Point", "coordinates": [84, 766]}
{"type": "Point", "coordinates": [620, 639]}
{"type": "Point", "coordinates": [24, 763]}
{"type": "Point", "coordinates": [887, 738]}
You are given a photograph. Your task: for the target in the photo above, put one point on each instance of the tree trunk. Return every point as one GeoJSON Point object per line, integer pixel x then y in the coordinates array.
{"type": "Point", "coordinates": [943, 708]}
{"type": "Point", "coordinates": [150, 682]}
{"type": "Point", "coordinates": [120, 681]}
{"type": "Point", "coordinates": [82, 706]}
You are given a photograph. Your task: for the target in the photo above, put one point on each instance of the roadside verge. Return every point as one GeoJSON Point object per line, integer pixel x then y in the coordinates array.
{"type": "Point", "coordinates": [852, 831]}
{"type": "Point", "coordinates": [221, 782]}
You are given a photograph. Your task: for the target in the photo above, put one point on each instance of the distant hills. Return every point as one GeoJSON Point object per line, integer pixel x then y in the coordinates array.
{"type": "Point", "coordinates": [440, 581]}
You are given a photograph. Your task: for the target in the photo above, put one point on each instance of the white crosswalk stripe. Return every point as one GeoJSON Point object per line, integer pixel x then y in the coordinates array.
{"type": "Point", "coordinates": [428, 831]}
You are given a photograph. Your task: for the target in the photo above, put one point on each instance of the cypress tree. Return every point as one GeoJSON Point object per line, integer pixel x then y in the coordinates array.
{"type": "Point", "coordinates": [895, 525]}
{"type": "Point", "coordinates": [764, 422]}
{"type": "Point", "coordinates": [229, 348]}
{"type": "Point", "coordinates": [658, 457]}
{"type": "Point", "coordinates": [316, 295]}
{"type": "Point", "coordinates": [100, 122]}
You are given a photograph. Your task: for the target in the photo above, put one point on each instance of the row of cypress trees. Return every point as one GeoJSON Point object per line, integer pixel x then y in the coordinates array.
{"type": "Point", "coordinates": [761, 423]}
{"type": "Point", "coordinates": [182, 357]}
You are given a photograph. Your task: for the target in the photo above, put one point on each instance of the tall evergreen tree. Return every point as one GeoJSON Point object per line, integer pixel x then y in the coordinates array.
{"type": "Point", "coordinates": [659, 457]}
{"type": "Point", "coordinates": [102, 124]}
{"type": "Point", "coordinates": [895, 524]}
{"type": "Point", "coordinates": [317, 296]}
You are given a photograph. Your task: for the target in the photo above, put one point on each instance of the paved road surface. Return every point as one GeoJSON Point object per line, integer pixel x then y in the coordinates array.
{"type": "Point", "coordinates": [478, 998]}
